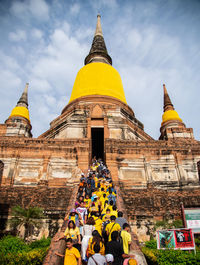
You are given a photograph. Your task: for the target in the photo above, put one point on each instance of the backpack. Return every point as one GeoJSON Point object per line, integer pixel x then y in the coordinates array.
{"type": "Point", "coordinates": [104, 234]}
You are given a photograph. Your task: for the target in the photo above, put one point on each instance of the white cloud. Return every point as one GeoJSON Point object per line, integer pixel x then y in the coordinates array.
{"type": "Point", "coordinates": [37, 9]}
{"type": "Point", "coordinates": [74, 9]}
{"type": "Point", "coordinates": [99, 5]}
{"type": "Point", "coordinates": [39, 84]}
{"type": "Point", "coordinates": [19, 35]}
{"type": "Point", "coordinates": [59, 62]}
{"type": "Point", "coordinates": [36, 33]}
{"type": "Point", "coordinates": [83, 33]}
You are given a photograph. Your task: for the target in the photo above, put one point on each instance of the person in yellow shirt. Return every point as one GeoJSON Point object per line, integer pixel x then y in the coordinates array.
{"type": "Point", "coordinates": [99, 192]}
{"type": "Point", "coordinates": [93, 168]}
{"type": "Point", "coordinates": [105, 207]}
{"type": "Point", "coordinates": [96, 181]}
{"type": "Point", "coordinates": [72, 232]}
{"type": "Point", "coordinates": [92, 209]}
{"type": "Point", "coordinates": [114, 211]}
{"type": "Point", "coordinates": [96, 203]}
{"type": "Point", "coordinates": [110, 206]}
{"type": "Point", "coordinates": [96, 238]}
{"type": "Point", "coordinates": [106, 217]}
{"type": "Point", "coordinates": [98, 223]}
{"type": "Point", "coordinates": [103, 185]}
{"type": "Point", "coordinates": [112, 226]}
{"type": "Point", "coordinates": [72, 255]}
{"type": "Point", "coordinates": [87, 201]}
{"type": "Point", "coordinates": [126, 237]}
{"type": "Point", "coordinates": [102, 200]}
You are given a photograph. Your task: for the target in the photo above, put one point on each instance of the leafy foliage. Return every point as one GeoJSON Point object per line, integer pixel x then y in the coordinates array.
{"type": "Point", "coordinates": [169, 257]}
{"type": "Point", "coordinates": [197, 243]}
{"type": "Point", "coordinates": [10, 244]}
{"type": "Point", "coordinates": [14, 251]}
{"type": "Point", "coordinates": [42, 243]}
{"type": "Point", "coordinates": [33, 257]}
{"type": "Point", "coordinates": [152, 244]}
{"type": "Point", "coordinates": [150, 255]}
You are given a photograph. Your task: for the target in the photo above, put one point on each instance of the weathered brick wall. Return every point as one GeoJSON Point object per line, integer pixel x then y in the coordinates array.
{"type": "Point", "coordinates": [60, 246]}
{"type": "Point", "coordinates": [146, 206]}
{"type": "Point", "coordinates": [54, 201]}
{"type": "Point", "coordinates": [30, 161]}
{"type": "Point", "coordinates": [166, 164]}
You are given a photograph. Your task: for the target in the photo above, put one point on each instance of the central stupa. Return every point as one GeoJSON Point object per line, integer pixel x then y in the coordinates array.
{"type": "Point", "coordinates": [97, 109]}
{"type": "Point", "coordinates": [98, 77]}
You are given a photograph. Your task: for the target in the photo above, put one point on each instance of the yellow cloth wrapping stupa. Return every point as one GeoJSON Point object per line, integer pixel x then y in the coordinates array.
{"type": "Point", "coordinates": [98, 79]}
{"type": "Point", "coordinates": [21, 112]}
{"type": "Point", "coordinates": [170, 115]}
{"type": "Point", "coordinates": [21, 109]}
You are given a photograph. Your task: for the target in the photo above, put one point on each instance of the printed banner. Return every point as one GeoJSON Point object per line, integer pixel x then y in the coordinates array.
{"type": "Point", "coordinates": [176, 239]}
{"type": "Point", "coordinates": [192, 218]}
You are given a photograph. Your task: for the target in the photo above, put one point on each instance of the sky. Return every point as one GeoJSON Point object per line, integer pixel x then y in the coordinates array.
{"type": "Point", "coordinates": [151, 43]}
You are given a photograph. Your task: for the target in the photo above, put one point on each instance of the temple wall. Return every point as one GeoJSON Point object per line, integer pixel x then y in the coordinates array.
{"type": "Point", "coordinates": [164, 164]}
{"type": "Point", "coordinates": [54, 202]}
{"type": "Point", "coordinates": [147, 206]}
{"type": "Point", "coordinates": [31, 161]}
{"type": "Point", "coordinates": [3, 128]}
{"type": "Point", "coordinates": [154, 178]}
{"type": "Point", "coordinates": [70, 132]}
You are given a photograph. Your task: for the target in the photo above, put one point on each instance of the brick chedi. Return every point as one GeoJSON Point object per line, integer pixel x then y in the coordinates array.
{"type": "Point", "coordinates": [153, 176]}
{"type": "Point", "coordinates": [18, 123]}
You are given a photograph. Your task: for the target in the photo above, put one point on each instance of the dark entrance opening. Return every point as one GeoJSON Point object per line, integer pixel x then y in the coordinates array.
{"type": "Point", "coordinates": [98, 143]}
{"type": "Point", "coordinates": [198, 168]}
{"type": "Point", "coordinates": [1, 171]}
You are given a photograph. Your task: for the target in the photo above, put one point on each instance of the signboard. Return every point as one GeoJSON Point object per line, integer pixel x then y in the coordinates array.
{"type": "Point", "coordinates": [192, 219]}
{"type": "Point", "coordinates": [176, 239]}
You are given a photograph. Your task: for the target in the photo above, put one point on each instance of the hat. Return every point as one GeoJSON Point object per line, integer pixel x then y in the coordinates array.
{"type": "Point", "coordinates": [82, 174]}
{"type": "Point", "coordinates": [109, 258]}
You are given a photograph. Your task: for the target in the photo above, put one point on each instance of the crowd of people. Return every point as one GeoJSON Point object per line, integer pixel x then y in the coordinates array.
{"type": "Point", "coordinates": [97, 233]}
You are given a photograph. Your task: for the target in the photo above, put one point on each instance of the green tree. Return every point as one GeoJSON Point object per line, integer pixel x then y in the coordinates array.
{"type": "Point", "coordinates": [29, 218]}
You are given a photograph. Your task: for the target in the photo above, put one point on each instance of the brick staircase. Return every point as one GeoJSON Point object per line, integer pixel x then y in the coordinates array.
{"type": "Point", "coordinates": [60, 246]}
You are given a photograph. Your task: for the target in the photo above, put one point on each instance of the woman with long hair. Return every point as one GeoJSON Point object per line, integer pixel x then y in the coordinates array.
{"type": "Point", "coordinates": [73, 232]}
{"type": "Point", "coordinates": [88, 228]}
{"type": "Point", "coordinates": [96, 238]}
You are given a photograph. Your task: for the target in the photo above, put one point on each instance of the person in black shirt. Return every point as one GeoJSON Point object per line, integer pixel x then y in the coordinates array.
{"type": "Point", "coordinates": [116, 249]}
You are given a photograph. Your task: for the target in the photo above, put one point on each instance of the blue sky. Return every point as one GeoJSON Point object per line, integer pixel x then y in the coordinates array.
{"type": "Point", "coordinates": [151, 43]}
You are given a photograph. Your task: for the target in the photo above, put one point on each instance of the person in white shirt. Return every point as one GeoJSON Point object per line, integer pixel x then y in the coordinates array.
{"type": "Point", "coordinates": [97, 258]}
{"type": "Point", "coordinates": [82, 210]}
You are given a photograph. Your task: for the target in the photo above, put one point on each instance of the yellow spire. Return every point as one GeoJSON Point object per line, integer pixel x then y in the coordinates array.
{"type": "Point", "coordinates": [169, 113]}
{"type": "Point", "coordinates": [21, 109]}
